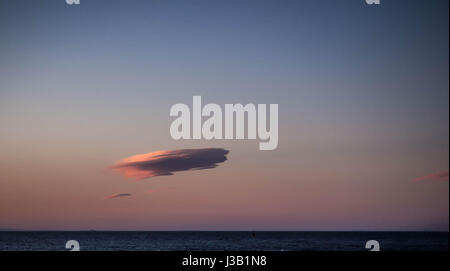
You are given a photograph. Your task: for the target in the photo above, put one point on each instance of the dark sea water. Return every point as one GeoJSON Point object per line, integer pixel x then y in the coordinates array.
{"type": "Point", "coordinates": [189, 241]}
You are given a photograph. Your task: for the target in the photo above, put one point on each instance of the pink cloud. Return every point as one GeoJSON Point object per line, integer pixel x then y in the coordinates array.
{"type": "Point", "coordinates": [440, 176]}
{"type": "Point", "coordinates": [164, 163]}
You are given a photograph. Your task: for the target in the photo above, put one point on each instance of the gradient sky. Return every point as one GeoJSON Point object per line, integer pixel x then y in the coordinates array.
{"type": "Point", "coordinates": [363, 94]}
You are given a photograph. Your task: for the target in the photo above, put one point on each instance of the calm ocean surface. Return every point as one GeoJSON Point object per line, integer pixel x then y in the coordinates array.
{"type": "Point", "coordinates": [269, 241]}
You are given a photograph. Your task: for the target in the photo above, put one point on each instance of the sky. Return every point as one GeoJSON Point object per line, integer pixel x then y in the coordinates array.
{"type": "Point", "coordinates": [362, 92]}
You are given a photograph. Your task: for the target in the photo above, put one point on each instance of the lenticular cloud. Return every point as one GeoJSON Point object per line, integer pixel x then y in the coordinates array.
{"type": "Point", "coordinates": [163, 163]}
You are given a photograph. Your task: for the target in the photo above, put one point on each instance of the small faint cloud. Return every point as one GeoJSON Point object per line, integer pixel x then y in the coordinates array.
{"type": "Point", "coordinates": [118, 195]}
{"type": "Point", "coordinates": [440, 176]}
{"type": "Point", "coordinates": [164, 163]}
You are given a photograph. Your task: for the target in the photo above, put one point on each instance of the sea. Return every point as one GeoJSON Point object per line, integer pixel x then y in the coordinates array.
{"type": "Point", "coordinates": [222, 241]}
